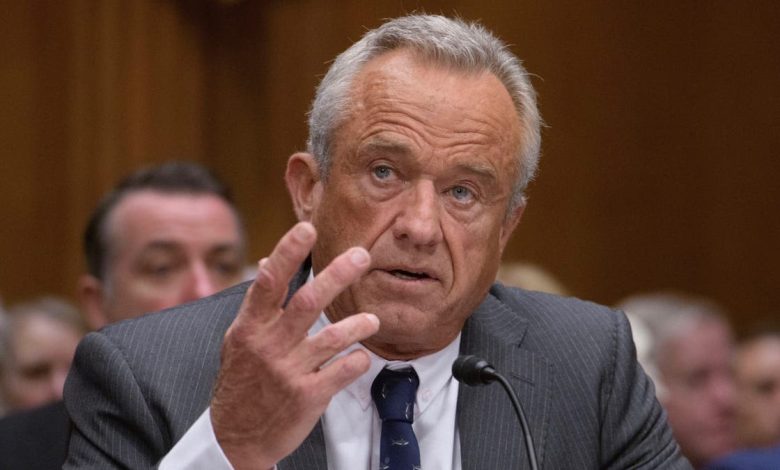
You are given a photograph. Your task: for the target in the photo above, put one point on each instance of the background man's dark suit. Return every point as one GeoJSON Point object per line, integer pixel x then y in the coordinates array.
{"type": "Point", "coordinates": [35, 439]}
{"type": "Point", "coordinates": [136, 387]}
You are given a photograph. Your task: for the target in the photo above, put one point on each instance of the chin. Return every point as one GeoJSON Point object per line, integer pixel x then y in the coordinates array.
{"type": "Point", "coordinates": [413, 330]}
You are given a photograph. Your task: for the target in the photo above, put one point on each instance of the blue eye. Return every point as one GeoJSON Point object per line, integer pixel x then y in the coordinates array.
{"type": "Point", "coordinates": [382, 172]}
{"type": "Point", "coordinates": [462, 193]}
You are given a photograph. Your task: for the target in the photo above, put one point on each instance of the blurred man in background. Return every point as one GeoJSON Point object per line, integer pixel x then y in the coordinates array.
{"type": "Point", "coordinates": [758, 405]}
{"type": "Point", "coordinates": [758, 390]}
{"type": "Point", "coordinates": [163, 236]}
{"type": "Point", "coordinates": [685, 345]}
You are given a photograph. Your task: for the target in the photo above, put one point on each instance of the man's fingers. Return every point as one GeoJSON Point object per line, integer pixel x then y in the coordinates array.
{"type": "Point", "coordinates": [314, 296]}
{"type": "Point", "coordinates": [318, 349]}
{"type": "Point", "coordinates": [342, 372]}
{"type": "Point", "coordinates": [268, 291]}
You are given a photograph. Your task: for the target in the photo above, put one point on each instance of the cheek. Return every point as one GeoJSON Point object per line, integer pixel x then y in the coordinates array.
{"type": "Point", "coordinates": [28, 391]}
{"type": "Point", "coordinates": [346, 218]}
{"type": "Point", "coordinates": [475, 241]}
{"type": "Point", "coordinates": [139, 296]}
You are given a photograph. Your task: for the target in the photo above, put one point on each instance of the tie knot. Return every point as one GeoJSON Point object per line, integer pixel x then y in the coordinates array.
{"type": "Point", "coordinates": [394, 392]}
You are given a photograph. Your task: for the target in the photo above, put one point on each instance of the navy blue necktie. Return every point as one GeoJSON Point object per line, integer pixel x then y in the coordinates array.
{"type": "Point", "coordinates": [394, 392]}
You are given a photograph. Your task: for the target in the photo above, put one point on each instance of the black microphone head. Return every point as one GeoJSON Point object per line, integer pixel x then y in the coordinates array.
{"type": "Point", "coordinates": [472, 370]}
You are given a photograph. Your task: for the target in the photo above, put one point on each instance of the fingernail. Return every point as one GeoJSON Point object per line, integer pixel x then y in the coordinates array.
{"type": "Point", "coordinates": [359, 256]}
{"type": "Point", "coordinates": [374, 319]}
{"type": "Point", "coordinates": [261, 264]}
{"type": "Point", "coordinates": [304, 232]}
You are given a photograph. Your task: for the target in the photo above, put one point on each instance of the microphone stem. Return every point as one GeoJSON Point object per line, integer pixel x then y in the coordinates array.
{"type": "Point", "coordinates": [529, 442]}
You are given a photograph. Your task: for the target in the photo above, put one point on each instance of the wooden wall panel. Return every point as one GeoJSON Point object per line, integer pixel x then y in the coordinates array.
{"type": "Point", "coordinates": [92, 90]}
{"type": "Point", "coordinates": [658, 161]}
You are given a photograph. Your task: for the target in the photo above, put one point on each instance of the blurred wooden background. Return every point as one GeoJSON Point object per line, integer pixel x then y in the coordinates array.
{"type": "Point", "coordinates": [659, 164]}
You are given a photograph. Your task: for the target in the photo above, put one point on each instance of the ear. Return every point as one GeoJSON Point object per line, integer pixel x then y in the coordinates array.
{"type": "Point", "coordinates": [510, 222]}
{"type": "Point", "coordinates": [303, 183]}
{"type": "Point", "coordinates": [90, 294]}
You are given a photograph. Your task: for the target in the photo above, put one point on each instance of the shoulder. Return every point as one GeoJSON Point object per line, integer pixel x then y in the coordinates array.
{"type": "Point", "coordinates": [552, 317]}
{"type": "Point", "coordinates": [197, 321]}
{"type": "Point", "coordinates": [577, 338]}
{"type": "Point", "coordinates": [169, 358]}
{"type": "Point", "coordinates": [170, 338]}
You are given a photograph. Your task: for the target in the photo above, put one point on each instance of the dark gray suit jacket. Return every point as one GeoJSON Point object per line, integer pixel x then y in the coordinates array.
{"type": "Point", "coordinates": [136, 387]}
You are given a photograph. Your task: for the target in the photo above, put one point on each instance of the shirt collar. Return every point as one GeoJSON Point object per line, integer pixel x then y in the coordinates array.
{"type": "Point", "coordinates": [434, 370]}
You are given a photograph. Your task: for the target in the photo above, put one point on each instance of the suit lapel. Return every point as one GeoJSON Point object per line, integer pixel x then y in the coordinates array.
{"type": "Point", "coordinates": [311, 453]}
{"type": "Point", "coordinates": [490, 433]}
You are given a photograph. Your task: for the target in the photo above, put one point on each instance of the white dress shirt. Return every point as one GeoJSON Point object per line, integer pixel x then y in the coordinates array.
{"type": "Point", "coordinates": [351, 424]}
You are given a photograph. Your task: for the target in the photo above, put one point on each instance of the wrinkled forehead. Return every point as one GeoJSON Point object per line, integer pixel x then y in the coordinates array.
{"type": "Point", "coordinates": [407, 67]}
{"type": "Point", "coordinates": [445, 98]}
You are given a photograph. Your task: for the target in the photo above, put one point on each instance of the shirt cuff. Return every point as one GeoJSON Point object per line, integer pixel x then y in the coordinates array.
{"type": "Point", "coordinates": [198, 449]}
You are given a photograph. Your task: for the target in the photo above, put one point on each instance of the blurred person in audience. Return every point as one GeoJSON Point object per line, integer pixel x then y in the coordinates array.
{"type": "Point", "coordinates": [165, 235]}
{"type": "Point", "coordinates": [685, 344]}
{"type": "Point", "coordinates": [758, 390]}
{"type": "Point", "coordinates": [37, 343]}
{"type": "Point", "coordinates": [529, 276]}
{"type": "Point", "coordinates": [757, 369]}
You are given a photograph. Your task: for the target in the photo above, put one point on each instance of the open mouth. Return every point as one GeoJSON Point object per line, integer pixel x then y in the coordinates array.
{"type": "Point", "coordinates": [409, 275]}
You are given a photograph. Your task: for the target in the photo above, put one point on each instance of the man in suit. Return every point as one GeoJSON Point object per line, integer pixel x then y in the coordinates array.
{"type": "Point", "coordinates": [423, 137]}
{"type": "Point", "coordinates": [163, 236]}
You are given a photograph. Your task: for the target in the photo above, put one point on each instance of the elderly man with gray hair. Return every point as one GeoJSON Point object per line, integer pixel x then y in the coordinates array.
{"type": "Point", "coordinates": [685, 344]}
{"type": "Point", "coordinates": [423, 137]}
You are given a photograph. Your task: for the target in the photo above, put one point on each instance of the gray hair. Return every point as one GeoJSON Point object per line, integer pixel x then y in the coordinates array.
{"type": "Point", "coordinates": [659, 317]}
{"type": "Point", "coordinates": [452, 42]}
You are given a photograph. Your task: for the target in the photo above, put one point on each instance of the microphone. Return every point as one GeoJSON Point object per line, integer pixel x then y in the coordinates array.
{"type": "Point", "coordinates": [473, 371]}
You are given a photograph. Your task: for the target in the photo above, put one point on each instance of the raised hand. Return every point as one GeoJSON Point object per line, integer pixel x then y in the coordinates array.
{"type": "Point", "coordinates": [271, 391]}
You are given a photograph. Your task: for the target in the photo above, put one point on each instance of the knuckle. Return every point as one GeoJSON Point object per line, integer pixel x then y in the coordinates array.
{"type": "Point", "coordinates": [287, 249]}
{"type": "Point", "coordinates": [236, 336]}
{"type": "Point", "coordinates": [333, 337]}
{"type": "Point", "coordinates": [353, 365]}
{"type": "Point", "coordinates": [305, 299]}
{"type": "Point", "coordinates": [264, 280]}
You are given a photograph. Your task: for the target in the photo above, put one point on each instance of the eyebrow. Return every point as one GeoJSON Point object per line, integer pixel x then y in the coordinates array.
{"type": "Point", "coordinates": [482, 171]}
{"type": "Point", "coordinates": [380, 144]}
{"type": "Point", "coordinates": [160, 245]}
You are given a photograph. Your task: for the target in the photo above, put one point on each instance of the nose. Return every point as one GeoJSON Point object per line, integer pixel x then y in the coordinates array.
{"type": "Point", "coordinates": [200, 283]}
{"type": "Point", "coordinates": [418, 221]}
{"type": "Point", "coordinates": [725, 392]}
{"type": "Point", "coordinates": [57, 383]}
